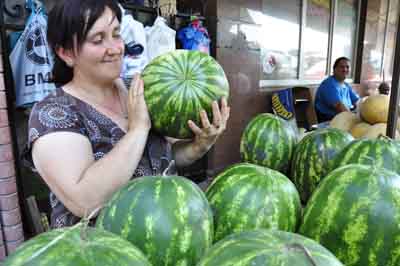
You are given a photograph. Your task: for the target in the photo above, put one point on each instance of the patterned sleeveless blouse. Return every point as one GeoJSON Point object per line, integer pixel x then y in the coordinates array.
{"type": "Point", "coordinates": [60, 111]}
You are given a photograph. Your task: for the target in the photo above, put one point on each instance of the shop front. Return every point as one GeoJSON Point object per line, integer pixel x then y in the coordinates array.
{"type": "Point", "coordinates": [264, 46]}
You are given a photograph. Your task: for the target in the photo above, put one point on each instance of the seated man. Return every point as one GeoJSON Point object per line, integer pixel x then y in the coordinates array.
{"type": "Point", "coordinates": [334, 95]}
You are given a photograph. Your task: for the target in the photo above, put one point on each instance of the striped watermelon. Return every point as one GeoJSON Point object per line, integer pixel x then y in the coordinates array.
{"type": "Point", "coordinates": [178, 85]}
{"type": "Point", "coordinates": [268, 140]}
{"type": "Point", "coordinates": [78, 246]}
{"type": "Point", "coordinates": [168, 218]}
{"type": "Point", "coordinates": [355, 213]}
{"type": "Point", "coordinates": [268, 248]}
{"type": "Point", "coordinates": [247, 196]}
{"type": "Point", "coordinates": [381, 152]}
{"type": "Point", "coordinates": [313, 157]}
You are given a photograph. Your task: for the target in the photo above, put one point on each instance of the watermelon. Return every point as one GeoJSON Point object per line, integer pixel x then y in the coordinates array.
{"type": "Point", "coordinates": [268, 248]}
{"type": "Point", "coordinates": [79, 245]}
{"type": "Point", "coordinates": [168, 218]}
{"type": "Point", "coordinates": [269, 141]}
{"type": "Point", "coordinates": [177, 86]}
{"type": "Point", "coordinates": [247, 196]}
{"type": "Point", "coordinates": [380, 152]}
{"type": "Point", "coordinates": [313, 157]}
{"type": "Point", "coordinates": [355, 213]}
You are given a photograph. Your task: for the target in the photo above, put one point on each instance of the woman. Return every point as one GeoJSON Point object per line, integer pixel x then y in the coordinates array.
{"type": "Point", "coordinates": [91, 136]}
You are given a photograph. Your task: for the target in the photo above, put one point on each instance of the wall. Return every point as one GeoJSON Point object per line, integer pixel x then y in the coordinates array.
{"type": "Point", "coordinates": [240, 59]}
{"type": "Point", "coordinates": [11, 233]}
{"type": "Point", "coordinates": [241, 63]}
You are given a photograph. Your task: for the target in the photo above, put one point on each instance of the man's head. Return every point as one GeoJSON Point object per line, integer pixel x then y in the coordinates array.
{"type": "Point", "coordinates": [384, 88]}
{"type": "Point", "coordinates": [341, 68]}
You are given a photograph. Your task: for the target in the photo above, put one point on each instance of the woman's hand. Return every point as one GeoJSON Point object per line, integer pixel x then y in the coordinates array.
{"type": "Point", "coordinates": [138, 114]}
{"type": "Point", "coordinates": [206, 136]}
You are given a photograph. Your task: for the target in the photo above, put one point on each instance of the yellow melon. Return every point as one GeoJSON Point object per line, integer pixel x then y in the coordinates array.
{"type": "Point", "coordinates": [344, 121]}
{"type": "Point", "coordinates": [378, 129]}
{"type": "Point", "coordinates": [360, 129]}
{"type": "Point", "coordinates": [398, 124]}
{"type": "Point", "coordinates": [375, 108]}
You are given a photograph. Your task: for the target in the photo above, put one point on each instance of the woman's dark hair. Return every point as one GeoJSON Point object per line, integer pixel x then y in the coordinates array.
{"type": "Point", "coordinates": [340, 59]}
{"type": "Point", "coordinates": [68, 25]}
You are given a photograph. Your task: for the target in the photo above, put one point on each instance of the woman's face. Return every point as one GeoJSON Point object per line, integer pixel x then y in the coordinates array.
{"type": "Point", "coordinates": [100, 57]}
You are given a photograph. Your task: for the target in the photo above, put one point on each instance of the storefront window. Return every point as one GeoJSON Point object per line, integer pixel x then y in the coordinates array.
{"type": "Point", "coordinates": [294, 48]}
{"type": "Point", "coordinates": [344, 35]}
{"type": "Point", "coordinates": [280, 39]}
{"type": "Point", "coordinates": [390, 41]}
{"type": "Point", "coordinates": [374, 39]}
{"type": "Point", "coordinates": [316, 36]}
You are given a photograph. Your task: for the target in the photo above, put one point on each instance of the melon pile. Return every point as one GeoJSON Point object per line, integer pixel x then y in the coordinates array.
{"type": "Point", "coordinates": [252, 213]}
{"type": "Point", "coordinates": [370, 122]}
{"type": "Point", "coordinates": [349, 188]}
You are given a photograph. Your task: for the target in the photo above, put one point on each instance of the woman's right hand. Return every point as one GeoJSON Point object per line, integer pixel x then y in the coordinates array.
{"type": "Point", "coordinates": [138, 114]}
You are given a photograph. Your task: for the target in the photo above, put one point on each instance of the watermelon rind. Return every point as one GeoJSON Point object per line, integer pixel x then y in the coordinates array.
{"type": "Point", "coordinates": [355, 213]}
{"type": "Point", "coordinates": [79, 245]}
{"type": "Point", "coordinates": [314, 156]}
{"type": "Point", "coordinates": [177, 86]}
{"type": "Point", "coordinates": [247, 196]}
{"type": "Point", "coordinates": [167, 217]}
{"type": "Point", "coordinates": [268, 248]}
{"type": "Point", "coordinates": [269, 141]}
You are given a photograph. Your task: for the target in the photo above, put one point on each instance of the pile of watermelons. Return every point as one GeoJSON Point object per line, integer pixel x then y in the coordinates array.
{"type": "Point", "coordinates": [324, 200]}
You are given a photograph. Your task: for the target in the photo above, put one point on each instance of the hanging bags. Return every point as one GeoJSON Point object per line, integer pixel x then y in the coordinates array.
{"type": "Point", "coordinates": [160, 38]}
{"type": "Point", "coordinates": [31, 60]}
{"type": "Point", "coordinates": [195, 37]}
{"type": "Point", "coordinates": [134, 36]}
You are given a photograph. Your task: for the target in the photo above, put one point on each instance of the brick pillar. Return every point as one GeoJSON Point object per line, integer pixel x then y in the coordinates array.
{"type": "Point", "coordinates": [10, 214]}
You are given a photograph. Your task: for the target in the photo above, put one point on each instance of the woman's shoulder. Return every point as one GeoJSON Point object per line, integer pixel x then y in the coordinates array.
{"type": "Point", "coordinates": [55, 103]}
{"type": "Point", "coordinates": [55, 113]}
{"type": "Point", "coordinates": [57, 110]}
{"type": "Point", "coordinates": [56, 97]}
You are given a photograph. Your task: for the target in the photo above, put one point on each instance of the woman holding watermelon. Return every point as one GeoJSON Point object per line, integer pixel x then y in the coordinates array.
{"type": "Point", "coordinates": [91, 136]}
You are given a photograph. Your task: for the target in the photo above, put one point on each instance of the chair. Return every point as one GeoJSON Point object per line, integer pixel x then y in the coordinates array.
{"type": "Point", "coordinates": [304, 107]}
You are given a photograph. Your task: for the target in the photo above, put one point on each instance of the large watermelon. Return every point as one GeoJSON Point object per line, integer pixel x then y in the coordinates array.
{"type": "Point", "coordinates": [168, 218]}
{"type": "Point", "coordinates": [247, 196]}
{"type": "Point", "coordinates": [268, 248]}
{"type": "Point", "coordinates": [380, 152]}
{"type": "Point", "coordinates": [268, 140]}
{"type": "Point", "coordinates": [78, 246]}
{"type": "Point", "coordinates": [178, 85]}
{"type": "Point", "coordinates": [313, 157]}
{"type": "Point", "coordinates": [355, 213]}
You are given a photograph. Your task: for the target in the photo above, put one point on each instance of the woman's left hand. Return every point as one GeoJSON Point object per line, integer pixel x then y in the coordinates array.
{"type": "Point", "coordinates": [206, 136]}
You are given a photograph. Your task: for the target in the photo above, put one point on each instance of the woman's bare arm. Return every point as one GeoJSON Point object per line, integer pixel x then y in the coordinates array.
{"type": "Point", "coordinates": [65, 161]}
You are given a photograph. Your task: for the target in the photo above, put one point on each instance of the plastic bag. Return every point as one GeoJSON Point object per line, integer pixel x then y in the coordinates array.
{"type": "Point", "coordinates": [282, 104]}
{"type": "Point", "coordinates": [195, 37]}
{"type": "Point", "coordinates": [32, 61]}
{"type": "Point", "coordinates": [160, 38]}
{"type": "Point", "coordinates": [133, 34]}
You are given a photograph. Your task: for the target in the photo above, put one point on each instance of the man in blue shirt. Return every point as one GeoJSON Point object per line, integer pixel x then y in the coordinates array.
{"type": "Point", "coordinates": [334, 95]}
